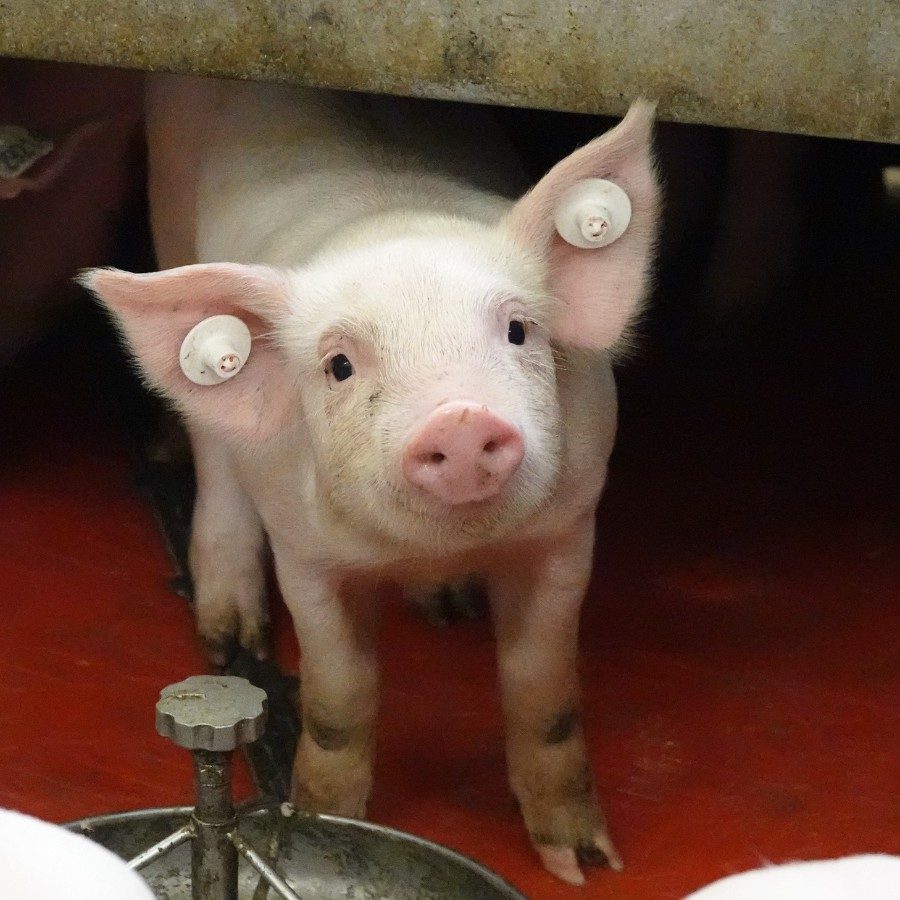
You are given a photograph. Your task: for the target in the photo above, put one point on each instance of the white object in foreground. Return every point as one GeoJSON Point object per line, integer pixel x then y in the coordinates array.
{"type": "Point", "coordinates": [867, 877]}
{"type": "Point", "coordinates": [40, 861]}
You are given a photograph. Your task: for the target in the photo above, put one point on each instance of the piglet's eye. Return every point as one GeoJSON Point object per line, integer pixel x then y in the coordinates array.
{"type": "Point", "coordinates": [341, 367]}
{"type": "Point", "coordinates": [516, 333]}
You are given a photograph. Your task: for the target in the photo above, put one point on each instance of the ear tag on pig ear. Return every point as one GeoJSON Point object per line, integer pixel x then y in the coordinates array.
{"type": "Point", "coordinates": [593, 213]}
{"type": "Point", "coordinates": [215, 350]}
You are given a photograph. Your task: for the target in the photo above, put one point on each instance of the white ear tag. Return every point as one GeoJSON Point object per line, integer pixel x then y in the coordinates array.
{"type": "Point", "coordinates": [215, 350]}
{"type": "Point", "coordinates": [593, 213]}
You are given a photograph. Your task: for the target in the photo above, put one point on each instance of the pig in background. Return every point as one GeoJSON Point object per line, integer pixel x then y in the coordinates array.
{"type": "Point", "coordinates": [69, 209]}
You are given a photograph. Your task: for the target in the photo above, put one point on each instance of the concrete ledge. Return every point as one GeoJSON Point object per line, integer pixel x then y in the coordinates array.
{"type": "Point", "coordinates": [807, 66]}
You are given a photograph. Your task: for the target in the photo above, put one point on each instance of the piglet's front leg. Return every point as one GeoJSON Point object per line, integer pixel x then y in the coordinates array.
{"type": "Point", "coordinates": [227, 554]}
{"type": "Point", "coordinates": [536, 607]}
{"type": "Point", "coordinates": [338, 691]}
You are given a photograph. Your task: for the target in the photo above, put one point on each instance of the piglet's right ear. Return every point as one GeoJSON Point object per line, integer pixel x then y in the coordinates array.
{"type": "Point", "coordinates": [156, 311]}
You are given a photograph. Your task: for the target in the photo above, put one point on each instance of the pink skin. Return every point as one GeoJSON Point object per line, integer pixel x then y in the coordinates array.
{"type": "Point", "coordinates": [463, 453]}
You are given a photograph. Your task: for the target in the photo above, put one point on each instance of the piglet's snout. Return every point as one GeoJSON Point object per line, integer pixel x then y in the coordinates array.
{"type": "Point", "coordinates": [463, 453]}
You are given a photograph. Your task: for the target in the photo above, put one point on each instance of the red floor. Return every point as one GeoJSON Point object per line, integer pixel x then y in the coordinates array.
{"type": "Point", "coordinates": [740, 644]}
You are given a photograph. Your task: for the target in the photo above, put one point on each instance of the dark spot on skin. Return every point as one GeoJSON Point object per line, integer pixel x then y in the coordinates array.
{"type": "Point", "coordinates": [579, 784]}
{"type": "Point", "coordinates": [563, 725]}
{"type": "Point", "coordinates": [327, 736]}
{"type": "Point", "coordinates": [544, 840]}
{"type": "Point", "coordinates": [374, 397]}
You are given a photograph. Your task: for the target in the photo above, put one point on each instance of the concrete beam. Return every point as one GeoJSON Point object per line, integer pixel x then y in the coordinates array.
{"type": "Point", "coordinates": [825, 67]}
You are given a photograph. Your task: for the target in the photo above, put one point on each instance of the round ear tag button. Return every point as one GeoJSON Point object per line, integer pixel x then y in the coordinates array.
{"type": "Point", "coordinates": [215, 350]}
{"type": "Point", "coordinates": [593, 213]}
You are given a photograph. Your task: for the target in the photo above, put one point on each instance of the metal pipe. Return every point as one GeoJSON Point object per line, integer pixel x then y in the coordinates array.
{"type": "Point", "coordinates": [276, 882]}
{"type": "Point", "coordinates": [214, 861]}
{"type": "Point", "coordinates": [151, 854]}
{"type": "Point", "coordinates": [274, 848]}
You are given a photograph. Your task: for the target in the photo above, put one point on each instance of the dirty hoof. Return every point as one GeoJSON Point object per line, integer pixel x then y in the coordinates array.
{"type": "Point", "coordinates": [563, 862]}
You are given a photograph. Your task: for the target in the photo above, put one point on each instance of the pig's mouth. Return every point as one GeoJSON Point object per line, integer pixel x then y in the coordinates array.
{"type": "Point", "coordinates": [486, 517]}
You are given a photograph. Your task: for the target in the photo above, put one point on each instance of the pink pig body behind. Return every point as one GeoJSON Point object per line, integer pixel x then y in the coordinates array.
{"type": "Point", "coordinates": [429, 397]}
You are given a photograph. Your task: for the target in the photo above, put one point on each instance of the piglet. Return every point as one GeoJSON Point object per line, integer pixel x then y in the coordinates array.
{"type": "Point", "coordinates": [413, 383]}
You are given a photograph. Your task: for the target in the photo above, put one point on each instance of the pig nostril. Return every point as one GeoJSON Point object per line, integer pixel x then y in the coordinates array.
{"type": "Point", "coordinates": [437, 458]}
{"type": "Point", "coordinates": [490, 447]}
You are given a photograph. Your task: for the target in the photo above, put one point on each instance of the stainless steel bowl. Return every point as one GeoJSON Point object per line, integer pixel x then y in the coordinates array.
{"type": "Point", "coordinates": [320, 857]}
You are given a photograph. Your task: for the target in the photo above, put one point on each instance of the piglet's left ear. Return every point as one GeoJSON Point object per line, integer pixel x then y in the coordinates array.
{"type": "Point", "coordinates": [598, 288]}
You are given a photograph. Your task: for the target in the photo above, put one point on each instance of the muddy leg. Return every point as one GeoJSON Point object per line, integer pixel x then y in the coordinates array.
{"type": "Point", "coordinates": [536, 610]}
{"type": "Point", "coordinates": [335, 627]}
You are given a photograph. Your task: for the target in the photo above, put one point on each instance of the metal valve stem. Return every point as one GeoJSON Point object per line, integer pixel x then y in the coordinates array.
{"type": "Point", "coordinates": [211, 716]}
{"type": "Point", "coordinates": [214, 860]}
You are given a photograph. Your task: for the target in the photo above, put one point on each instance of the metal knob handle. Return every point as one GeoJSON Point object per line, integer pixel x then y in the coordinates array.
{"type": "Point", "coordinates": [211, 716]}
{"type": "Point", "coordinates": [216, 713]}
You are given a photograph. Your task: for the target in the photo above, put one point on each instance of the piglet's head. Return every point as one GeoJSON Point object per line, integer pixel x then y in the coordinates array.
{"type": "Point", "coordinates": [415, 365]}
